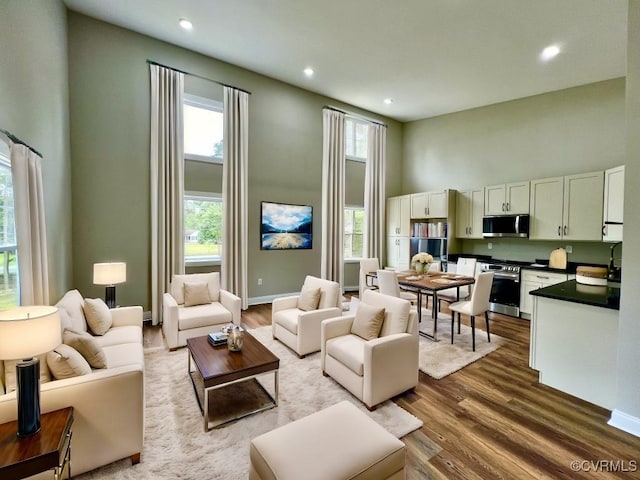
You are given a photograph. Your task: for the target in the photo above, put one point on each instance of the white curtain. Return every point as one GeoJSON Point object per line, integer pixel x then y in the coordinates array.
{"type": "Point", "coordinates": [234, 192]}
{"type": "Point", "coordinates": [333, 176]}
{"type": "Point", "coordinates": [374, 191]}
{"type": "Point", "coordinates": [167, 182]}
{"type": "Point", "coordinates": [33, 272]}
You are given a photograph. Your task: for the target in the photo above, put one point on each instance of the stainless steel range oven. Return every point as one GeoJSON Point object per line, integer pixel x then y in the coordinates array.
{"type": "Point", "coordinates": [505, 290]}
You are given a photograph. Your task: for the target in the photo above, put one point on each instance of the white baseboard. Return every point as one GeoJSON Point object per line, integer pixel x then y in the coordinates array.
{"type": "Point", "coordinates": [625, 422]}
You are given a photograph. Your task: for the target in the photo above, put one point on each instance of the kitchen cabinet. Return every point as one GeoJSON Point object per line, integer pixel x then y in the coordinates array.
{"type": "Point", "coordinates": [469, 212]}
{"type": "Point", "coordinates": [613, 209]}
{"type": "Point", "coordinates": [398, 231]}
{"type": "Point", "coordinates": [430, 204]}
{"type": "Point", "coordinates": [506, 199]}
{"type": "Point", "coordinates": [532, 280]}
{"type": "Point", "coordinates": [567, 208]}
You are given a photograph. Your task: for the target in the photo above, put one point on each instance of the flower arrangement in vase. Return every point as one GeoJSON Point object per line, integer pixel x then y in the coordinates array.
{"type": "Point", "coordinates": [421, 261]}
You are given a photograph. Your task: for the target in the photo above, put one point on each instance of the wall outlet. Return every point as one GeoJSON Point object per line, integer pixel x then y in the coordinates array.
{"type": "Point", "coordinates": [569, 248]}
{"type": "Point", "coordinates": [259, 281]}
{"type": "Point", "coordinates": [489, 245]}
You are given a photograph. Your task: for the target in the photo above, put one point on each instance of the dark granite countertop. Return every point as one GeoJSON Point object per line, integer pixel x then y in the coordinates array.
{"type": "Point", "coordinates": [571, 291]}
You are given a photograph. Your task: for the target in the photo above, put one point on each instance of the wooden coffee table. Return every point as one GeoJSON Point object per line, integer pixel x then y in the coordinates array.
{"type": "Point", "coordinates": [217, 367]}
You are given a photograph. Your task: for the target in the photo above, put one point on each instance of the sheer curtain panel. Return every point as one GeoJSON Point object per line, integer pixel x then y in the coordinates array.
{"type": "Point", "coordinates": [234, 192]}
{"type": "Point", "coordinates": [374, 191]}
{"type": "Point", "coordinates": [33, 272]}
{"type": "Point", "coordinates": [333, 176]}
{"type": "Point", "coordinates": [167, 182]}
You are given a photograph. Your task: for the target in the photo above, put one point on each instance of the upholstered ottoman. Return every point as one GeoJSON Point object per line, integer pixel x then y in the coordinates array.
{"type": "Point", "coordinates": [337, 443]}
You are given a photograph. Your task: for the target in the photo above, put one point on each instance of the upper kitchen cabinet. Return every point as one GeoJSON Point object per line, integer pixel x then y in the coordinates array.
{"type": "Point", "coordinates": [430, 204]}
{"type": "Point", "coordinates": [398, 221]}
{"type": "Point", "coordinates": [567, 208]}
{"type": "Point", "coordinates": [613, 204]}
{"type": "Point", "coordinates": [507, 199]}
{"type": "Point", "coordinates": [469, 211]}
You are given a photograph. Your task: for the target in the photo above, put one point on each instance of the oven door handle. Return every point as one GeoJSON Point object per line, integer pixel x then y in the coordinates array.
{"type": "Point", "coordinates": [510, 276]}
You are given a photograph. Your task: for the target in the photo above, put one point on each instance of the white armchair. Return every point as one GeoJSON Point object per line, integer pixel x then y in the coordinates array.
{"type": "Point", "coordinates": [378, 369]}
{"type": "Point", "coordinates": [188, 311]}
{"type": "Point", "coordinates": [299, 328]}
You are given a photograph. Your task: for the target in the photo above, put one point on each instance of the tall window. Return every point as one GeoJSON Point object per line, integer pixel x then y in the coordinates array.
{"type": "Point", "coordinates": [353, 232]}
{"type": "Point", "coordinates": [9, 292]}
{"type": "Point", "coordinates": [356, 134]}
{"type": "Point", "coordinates": [203, 131]}
{"type": "Point", "coordinates": [202, 228]}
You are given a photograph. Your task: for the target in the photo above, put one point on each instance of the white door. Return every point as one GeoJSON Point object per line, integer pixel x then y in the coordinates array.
{"type": "Point", "coordinates": [494, 202]}
{"type": "Point", "coordinates": [517, 198]}
{"type": "Point", "coordinates": [613, 204]}
{"type": "Point", "coordinates": [547, 199]}
{"type": "Point", "coordinates": [583, 205]}
{"type": "Point", "coordinates": [438, 204]}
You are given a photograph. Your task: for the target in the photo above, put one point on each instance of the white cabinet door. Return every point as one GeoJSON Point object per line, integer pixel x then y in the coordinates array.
{"type": "Point", "coordinates": [438, 206]}
{"type": "Point", "coordinates": [469, 212]}
{"type": "Point", "coordinates": [398, 253]}
{"type": "Point", "coordinates": [419, 205]}
{"type": "Point", "coordinates": [398, 221]}
{"type": "Point", "coordinates": [517, 198]}
{"type": "Point", "coordinates": [532, 280]}
{"type": "Point", "coordinates": [583, 205]}
{"type": "Point", "coordinates": [613, 204]}
{"type": "Point", "coordinates": [547, 199]}
{"type": "Point", "coordinates": [494, 203]}
{"type": "Point", "coordinates": [477, 210]}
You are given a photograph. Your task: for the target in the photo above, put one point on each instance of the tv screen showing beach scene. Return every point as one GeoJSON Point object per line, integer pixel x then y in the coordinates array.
{"type": "Point", "coordinates": [285, 226]}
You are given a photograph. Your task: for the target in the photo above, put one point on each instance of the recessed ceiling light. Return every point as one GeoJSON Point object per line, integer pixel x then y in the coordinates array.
{"type": "Point", "coordinates": [186, 24]}
{"type": "Point", "coordinates": [308, 72]}
{"type": "Point", "coordinates": [388, 101]}
{"type": "Point", "coordinates": [550, 52]}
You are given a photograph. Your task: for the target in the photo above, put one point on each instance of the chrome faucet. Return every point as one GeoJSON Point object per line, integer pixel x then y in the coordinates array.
{"type": "Point", "coordinates": [614, 271]}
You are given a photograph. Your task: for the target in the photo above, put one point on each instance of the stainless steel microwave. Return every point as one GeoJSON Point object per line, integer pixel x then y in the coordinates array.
{"type": "Point", "coordinates": [506, 226]}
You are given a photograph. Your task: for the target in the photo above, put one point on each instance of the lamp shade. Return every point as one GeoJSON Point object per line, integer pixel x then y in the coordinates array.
{"type": "Point", "coordinates": [109, 273]}
{"type": "Point", "coordinates": [29, 331]}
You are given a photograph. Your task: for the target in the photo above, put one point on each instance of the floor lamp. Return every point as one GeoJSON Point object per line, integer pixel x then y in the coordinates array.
{"type": "Point", "coordinates": [109, 274]}
{"type": "Point", "coordinates": [25, 333]}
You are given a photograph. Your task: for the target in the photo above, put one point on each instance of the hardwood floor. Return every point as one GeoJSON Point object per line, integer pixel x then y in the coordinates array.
{"type": "Point", "coordinates": [492, 420]}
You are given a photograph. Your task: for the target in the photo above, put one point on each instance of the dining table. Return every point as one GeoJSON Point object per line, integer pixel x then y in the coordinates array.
{"type": "Point", "coordinates": [427, 284]}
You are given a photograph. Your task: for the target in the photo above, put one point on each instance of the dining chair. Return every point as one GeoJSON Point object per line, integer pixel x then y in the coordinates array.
{"type": "Point", "coordinates": [388, 285]}
{"type": "Point", "coordinates": [367, 265]}
{"type": "Point", "coordinates": [466, 267]}
{"type": "Point", "coordinates": [476, 305]}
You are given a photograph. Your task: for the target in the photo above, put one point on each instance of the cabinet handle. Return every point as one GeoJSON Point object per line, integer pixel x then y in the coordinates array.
{"type": "Point", "coordinates": [565, 229]}
{"type": "Point", "coordinates": [559, 230]}
{"type": "Point", "coordinates": [540, 276]}
{"type": "Point", "coordinates": [508, 207]}
{"type": "Point", "coordinates": [604, 230]}
{"type": "Point", "coordinates": [503, 206]}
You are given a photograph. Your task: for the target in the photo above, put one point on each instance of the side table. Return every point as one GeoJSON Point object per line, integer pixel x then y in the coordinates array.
{"type": "Point", "coordinates": [49, 449]}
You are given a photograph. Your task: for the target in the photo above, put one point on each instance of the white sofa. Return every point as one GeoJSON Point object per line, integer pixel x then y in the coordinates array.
{"type": "Point", "coordinates": [108, 403]}
{"type": "Point", "coordinates": [180, 322]}
{"type": "Point", "coordinates": [299, 329]}
{"type": "Point", "coordinates": [373, 370]}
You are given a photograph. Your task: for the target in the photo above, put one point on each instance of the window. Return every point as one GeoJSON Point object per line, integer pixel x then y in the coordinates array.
{"type": "Point", "coordinates": [203, 131]}
{"type": "Point", "coordinates": [202, 228]}
{"type": "Point", "coordinates": [353, 232]}
{"type": "Point", "coordinates": [9, 291]}
{"type": "Point", "coordinates": [356, 135]}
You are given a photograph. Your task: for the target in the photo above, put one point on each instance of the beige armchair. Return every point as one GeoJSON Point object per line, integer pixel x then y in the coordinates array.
{"type": "Point", "coordinates": [377, 369]}
{"type": "Point", "coordinates": [296, 319]}
{"type": "Point", "coordinates": [196, 306]}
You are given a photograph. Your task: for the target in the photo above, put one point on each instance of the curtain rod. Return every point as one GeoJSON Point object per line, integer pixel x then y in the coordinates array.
{"type": "Point", "coordinates": [356, 115]}
{"type": "Point", "coordinates": [152, 62]}
{"type": "Point", "coordinates": [15, 139]}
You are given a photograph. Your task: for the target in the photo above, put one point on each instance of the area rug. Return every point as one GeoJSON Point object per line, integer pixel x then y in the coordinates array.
{"type": "Point", "coordinates": [441, 358]}
{"type": "Point", "coordinates": [176, 446]}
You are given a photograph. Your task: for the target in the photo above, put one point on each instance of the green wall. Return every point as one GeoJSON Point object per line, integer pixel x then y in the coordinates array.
{"type": "Point", "coordinates": [34, 107]}
{"type": "Point", "coordinates": [109, 111]}
{"type": "Point", "coordinates": [569, 131]}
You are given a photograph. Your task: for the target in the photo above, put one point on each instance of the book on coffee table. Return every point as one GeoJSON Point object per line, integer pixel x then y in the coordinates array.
{"type": "Point", "coordinates": [217, 338]}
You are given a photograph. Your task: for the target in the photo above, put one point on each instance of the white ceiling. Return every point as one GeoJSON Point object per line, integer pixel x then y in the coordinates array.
{"type": "Point", "coordinates": [430, 56]}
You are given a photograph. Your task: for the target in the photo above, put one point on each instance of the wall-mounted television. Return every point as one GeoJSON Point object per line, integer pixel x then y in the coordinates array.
{"type": "Point", "coordinates": [284, 226]}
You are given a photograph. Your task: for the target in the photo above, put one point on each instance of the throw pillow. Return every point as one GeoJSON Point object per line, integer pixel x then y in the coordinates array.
{"type": "Point", "coordinates": [10, 373]}
{"type": "Point", "coordinates": [87, 346]}
{"type": "Point", "coordinates": [65, 362]}
{"type": "Point", "coordinates": [98, 315]}
{"type": "Point", "coordinates": [368, 321]}
{"type": "Point", "coordinates": [196, 294]}
{"type": "Point", "coordinates": [309, 299]}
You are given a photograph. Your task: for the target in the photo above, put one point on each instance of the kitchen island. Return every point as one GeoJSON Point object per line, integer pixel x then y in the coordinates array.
{"type": "Point", "coordinates": [574, 337]}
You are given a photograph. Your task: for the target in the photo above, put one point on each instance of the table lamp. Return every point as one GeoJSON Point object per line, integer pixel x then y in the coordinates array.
{"type": "Point", "coordinates": [109, 274]}
{"type": "Point", "coordinates": [25, 333]}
